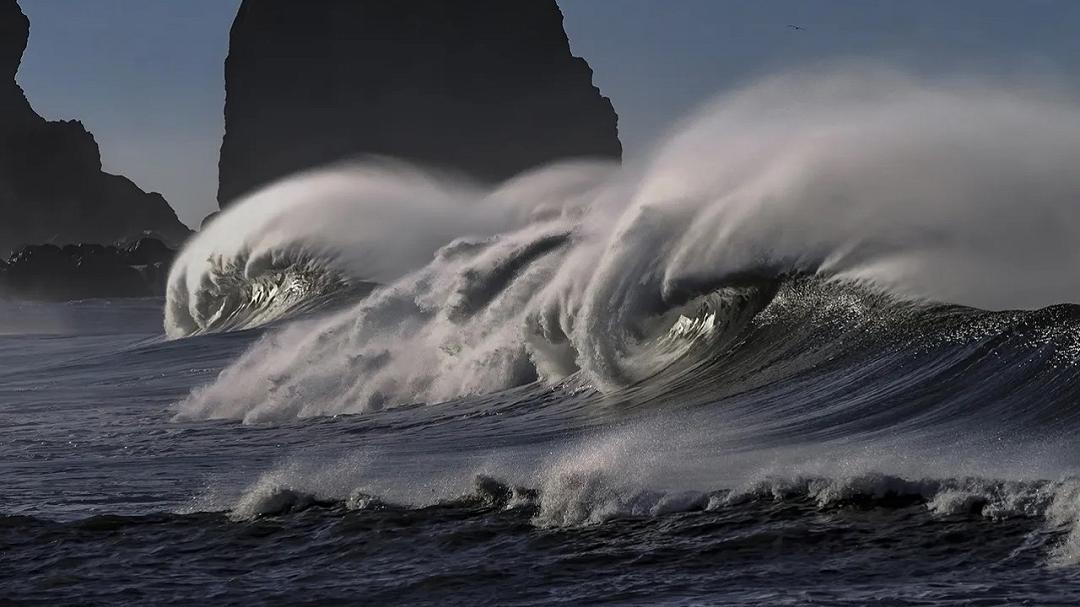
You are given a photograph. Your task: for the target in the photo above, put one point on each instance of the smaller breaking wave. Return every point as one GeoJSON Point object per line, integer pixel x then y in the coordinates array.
{"type": "Point", "coordinates": [575, 499]}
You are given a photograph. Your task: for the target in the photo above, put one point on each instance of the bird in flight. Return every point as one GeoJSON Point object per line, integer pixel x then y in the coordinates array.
{"type": "Point", "coordinates": [796, 27]}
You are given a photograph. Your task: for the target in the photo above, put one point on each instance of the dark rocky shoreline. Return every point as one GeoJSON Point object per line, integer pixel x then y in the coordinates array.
{"type": "Point", "coordinates": [49, 272]}
{"type": "Point", "coordinates": [53, 190]}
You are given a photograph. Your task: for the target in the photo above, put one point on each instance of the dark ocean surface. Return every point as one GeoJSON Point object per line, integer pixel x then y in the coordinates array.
{"type": "Point", "coordinates": [870, 453]}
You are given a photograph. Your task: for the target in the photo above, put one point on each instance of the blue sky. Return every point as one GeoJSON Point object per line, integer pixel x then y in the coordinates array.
{"type": "Point", "coordinates": [146, 75]}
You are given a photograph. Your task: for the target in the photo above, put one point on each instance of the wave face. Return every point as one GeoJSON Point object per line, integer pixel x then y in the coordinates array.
{"type": "Point", "coordinates": [946, 192]}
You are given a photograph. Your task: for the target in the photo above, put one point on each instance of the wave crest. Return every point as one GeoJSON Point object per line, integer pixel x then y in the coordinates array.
{"type": "Point", "coordinates": [868, 178]}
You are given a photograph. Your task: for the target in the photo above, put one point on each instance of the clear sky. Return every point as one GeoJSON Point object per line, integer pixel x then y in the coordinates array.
{"type": "Point", "coordinates": [146, 76]}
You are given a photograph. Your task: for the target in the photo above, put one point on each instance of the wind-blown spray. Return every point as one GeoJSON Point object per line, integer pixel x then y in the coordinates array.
{"type": "Point", "coordinates": [950, 192]}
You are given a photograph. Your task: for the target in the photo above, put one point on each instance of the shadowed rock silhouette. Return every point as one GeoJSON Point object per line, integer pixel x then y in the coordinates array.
{"type": "Point", "coordinates": [488, 88]}
{"type": "Point", "coordinates": [52, 188]}
{"type": "Point", "coordinates": [83, 271]}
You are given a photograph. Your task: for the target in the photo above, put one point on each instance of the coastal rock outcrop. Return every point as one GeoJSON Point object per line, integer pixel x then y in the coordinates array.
{"type": "Point", "coordinates": [52, 187]}
{"type": "Point", "coordinates": [83, 271]}
{"type": "Point", "coordinates": [488, 88]}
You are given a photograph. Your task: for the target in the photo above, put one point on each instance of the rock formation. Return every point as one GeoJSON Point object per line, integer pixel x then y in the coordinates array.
{"type": "Point", "coordinates": [52, 188]}
{"type": "Point", "coordinates": [49, 272]}
{"type": "Point", "coordinates": [485, 87]}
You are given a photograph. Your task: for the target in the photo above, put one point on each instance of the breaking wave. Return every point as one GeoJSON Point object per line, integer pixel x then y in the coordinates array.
{"type": "Point", "coordinates": [577, 500]}
{"type": "Point", "coordinates": [827, 290]}
{"type": "Point", "coordinates": [893, 191]}
{"type": "Point", "coordinates": [336, 233]}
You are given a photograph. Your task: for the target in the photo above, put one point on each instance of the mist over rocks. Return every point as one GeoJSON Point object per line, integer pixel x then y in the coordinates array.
{"type": "Point", "coordinates": [488, 88]}
{"type": "Point", "coordinates": [52, 187]}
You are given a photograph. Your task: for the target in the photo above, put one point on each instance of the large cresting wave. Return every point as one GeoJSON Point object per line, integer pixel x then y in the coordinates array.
{"type": "Point", "coordinates": [868, 194]}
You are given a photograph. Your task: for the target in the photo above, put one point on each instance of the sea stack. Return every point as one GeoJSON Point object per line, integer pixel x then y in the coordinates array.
{"type": "Point", "coordinates": [486, 88]}
{"type": "Point", "coordinates": [52, 188]}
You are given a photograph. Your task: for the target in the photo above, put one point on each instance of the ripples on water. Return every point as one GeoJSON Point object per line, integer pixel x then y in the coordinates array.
{"type": "Point", "coordinates": [710, 484]}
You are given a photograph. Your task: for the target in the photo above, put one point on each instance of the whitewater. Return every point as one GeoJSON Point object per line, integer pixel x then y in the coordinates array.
{"type": "Point", "coordinates": [820, 345]}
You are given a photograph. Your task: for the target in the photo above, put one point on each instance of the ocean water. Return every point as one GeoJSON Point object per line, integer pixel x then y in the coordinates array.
{"type": "Point", "coordinates": [820, 347]}
{"type": "Point", "coordinates": [885, 470]}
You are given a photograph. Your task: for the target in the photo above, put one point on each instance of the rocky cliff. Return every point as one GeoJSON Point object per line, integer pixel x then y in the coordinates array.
{"type": "Point", "coordinates": [485, 87]}
{"type": "Point", "coordinates": [52, 188]}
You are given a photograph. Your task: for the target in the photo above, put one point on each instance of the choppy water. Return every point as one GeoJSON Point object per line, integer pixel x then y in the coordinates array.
{"type": "Point", "coordinates": [738, 371]}
{"type": "Point", "coordinates": [877, 472]}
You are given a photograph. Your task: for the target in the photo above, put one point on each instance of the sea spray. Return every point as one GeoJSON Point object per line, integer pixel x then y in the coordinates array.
{"type": "Point", "coordinates": [941, 191]}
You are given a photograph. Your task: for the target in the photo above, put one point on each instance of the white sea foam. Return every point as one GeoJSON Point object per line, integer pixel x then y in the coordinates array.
{"type": "Point", "coordinates": [952, 191]}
